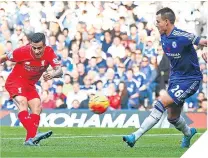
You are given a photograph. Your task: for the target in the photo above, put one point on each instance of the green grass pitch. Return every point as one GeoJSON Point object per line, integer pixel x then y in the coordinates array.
{"type": "Point", "coordinates": [93, 142]}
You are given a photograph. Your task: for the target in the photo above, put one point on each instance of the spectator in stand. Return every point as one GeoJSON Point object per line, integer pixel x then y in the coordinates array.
{"type": "Point", "coordinates": [92, 65]}
{"type": "Point", "coordinates": [201, 96]}
{"type": "Point", "coordinates": [66, 61]}
{"type": "Point", "coordinates": [59, 93]}
{"type": "Point", "coordinates": [82, 57]}
{"type": "Point", "coordinates": [9, 47]}
{"type": "Point", "coordinates": [47, 103]}
{"type": "Point", "coordinates": [121, 72]}
{"type": "Point", "coordinates": [66, 34]}
{"type": "Point", "coordinates": [75, 104]}
{"type": "Point", "coordinates": [146, 69]}
{"type": "Point", "coordinates": [134, 33]}
{"type": "Point", "coordinates": [60, 104]}
{"type": "Point", "coordinates": [53, 42]}
{"type": "Point", "coordinates": [76, 94]}
{"type": "Point", "coordinates": [87, 84]}
{"type": "Point", "coordinates": [77, 39]}
{"type": "Point", "coordinates": [162, 71]}
{"type": "Point", "coordinates": [149, 49]}
{"type": "Point", "coordinates": [67, 86]}
{"type": "Point", "coordinates": [107, 41]}
{"type": "Point", "coordinates": [74, 76]}
{"type": "Point", "coordinates": [123, 93]}
{"type": "Point", "coordinates": [117, 49]}
{"type": "Point", "coordinates": [127, 58]}
{"type": "Point", "coordinates": [116, 30]}
{"type": "Point", "coordinates": [113, 97]}
{"type": "Point", "coordinates": [99, 87]}
{"type": "Point", "coordinates": [203, 107]}
{"type": "Point", "coordinates": [82, 73]}
{"type": "Point", "coordinates": [133, 102]}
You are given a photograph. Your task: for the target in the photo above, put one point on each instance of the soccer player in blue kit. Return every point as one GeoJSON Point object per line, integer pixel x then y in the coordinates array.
{"type": "Point", "coordinates": [184, 79]}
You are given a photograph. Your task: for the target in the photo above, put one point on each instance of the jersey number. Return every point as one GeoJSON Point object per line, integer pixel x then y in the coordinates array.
{"type": "Point", "coordinates": [177, 92]}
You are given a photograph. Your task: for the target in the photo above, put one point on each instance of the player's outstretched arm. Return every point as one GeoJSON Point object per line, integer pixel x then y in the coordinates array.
{"type": "Point", "coordinates": [3, 58]}
{"type": "Point", "coordinates": [57, 72]}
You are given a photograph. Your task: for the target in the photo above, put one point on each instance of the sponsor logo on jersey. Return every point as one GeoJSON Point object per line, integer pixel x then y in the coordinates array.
{"type": "Point", "coordinates": [174, 55]}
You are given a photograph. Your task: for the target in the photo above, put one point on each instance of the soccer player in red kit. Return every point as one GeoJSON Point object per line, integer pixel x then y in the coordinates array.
{"type": "Point", "coordinates": [31, 62]}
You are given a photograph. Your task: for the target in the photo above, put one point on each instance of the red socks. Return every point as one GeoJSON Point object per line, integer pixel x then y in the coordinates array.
{"type": "Point", "coordinates": [34, 124]}
{"type": "Point", "coordinates": [30, 123]}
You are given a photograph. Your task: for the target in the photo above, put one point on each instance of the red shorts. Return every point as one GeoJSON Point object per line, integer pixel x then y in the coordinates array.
{"type": "Point", "coordinates": [20, 87]}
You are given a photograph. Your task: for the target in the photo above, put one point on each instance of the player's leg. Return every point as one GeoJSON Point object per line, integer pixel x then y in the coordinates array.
{"type": "Point", "coordinates": [24, 117]}
{"type": "Point", "coordinates": [179, 92]}
{"type": "Point", "coordinates": [159, 108]}
{"type": "Point", "coordinates": [175, 118]}
{"type": "Point", "coordinates": [35, 106]}
{"type": "Point", "coordinates": [179, 122]}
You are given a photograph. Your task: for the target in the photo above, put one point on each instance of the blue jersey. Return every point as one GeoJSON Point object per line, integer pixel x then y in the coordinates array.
{"type": "Point", "coordinates": [178, 47]}
{"type": "Point", "coordinates": [131, 87]}
{"type": "Point", "coordinates": [139, 79]}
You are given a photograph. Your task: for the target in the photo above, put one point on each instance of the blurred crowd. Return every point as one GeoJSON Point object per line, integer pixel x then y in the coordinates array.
{"type": "Point", "coordinates": [107, 48]}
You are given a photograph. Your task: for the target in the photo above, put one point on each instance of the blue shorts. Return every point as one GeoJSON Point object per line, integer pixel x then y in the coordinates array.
{"type": "Point", "coordinates": [179, 90]}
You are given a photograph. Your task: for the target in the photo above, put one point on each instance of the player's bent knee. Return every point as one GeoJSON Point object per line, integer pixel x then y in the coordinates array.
{"type": "Point", "coordinates": [35, 106]}
{"type": "Point", "coordinates": [166, 99]}
{"type": "Point", "coordinates": [158, 110]}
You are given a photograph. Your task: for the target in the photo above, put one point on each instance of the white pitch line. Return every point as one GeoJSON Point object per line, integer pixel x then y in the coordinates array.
{"type": "Point", "coordinates": [102, 136]}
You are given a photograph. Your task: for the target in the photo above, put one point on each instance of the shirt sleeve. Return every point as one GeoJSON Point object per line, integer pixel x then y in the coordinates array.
{"type": "Point", "coordinates": [189, 38]}
{"type": "Point", "coordinates": [18, 55]}
{"type": "Point", "coordinates": [53, 59]}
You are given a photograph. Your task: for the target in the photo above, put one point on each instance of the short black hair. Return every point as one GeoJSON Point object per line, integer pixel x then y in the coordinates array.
{"type": "Point", "coordinates": [167, 13]}
{"type": "Point", "coordinates": [133, 25]}
{"type": "Point", "coordinates": [38, 37]}
{"type": "Point", "coordinates": [66, 29]}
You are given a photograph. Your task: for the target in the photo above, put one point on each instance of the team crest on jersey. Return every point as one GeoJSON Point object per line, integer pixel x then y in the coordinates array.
{"type": "Point", "coordinates": [174, 45]}
{"type": "Point", "coordinates": [42, 62]}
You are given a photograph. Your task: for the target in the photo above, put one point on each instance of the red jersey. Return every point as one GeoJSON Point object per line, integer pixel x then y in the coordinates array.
{"type": "Point", "coordinates": [28, 67]}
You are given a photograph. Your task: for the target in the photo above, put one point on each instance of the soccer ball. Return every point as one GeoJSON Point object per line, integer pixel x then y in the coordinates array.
{"type": "Point", "coordinates": [98, 104]}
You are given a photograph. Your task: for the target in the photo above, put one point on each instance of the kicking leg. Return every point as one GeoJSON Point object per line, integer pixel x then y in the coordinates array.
{"type": "Point", "coordinates": [21, 103]}
{"type": "Point", "coordinates": [151, 120]}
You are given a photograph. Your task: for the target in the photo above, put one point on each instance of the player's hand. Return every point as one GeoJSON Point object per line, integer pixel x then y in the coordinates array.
{"type": "Point", "coordinates": [203, 42]}
{"type": "Point", "coordinates": [204, 56]}
{"type": "Point", "coordinates": [47, 76]}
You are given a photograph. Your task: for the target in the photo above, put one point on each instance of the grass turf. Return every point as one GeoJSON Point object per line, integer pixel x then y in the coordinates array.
{"type": "Point", "coordinates": [93, 142]}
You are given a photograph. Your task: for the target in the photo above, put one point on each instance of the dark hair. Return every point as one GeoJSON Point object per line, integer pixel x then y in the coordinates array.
{"type": "Point", "coordinates": [9, 42]}
{"type": "Point", "coordinates": [66, 29]}
{"type": "Point", "coordinates": [132, 25]}
{"type": "Point", "coordinates": [38, 37]}
{"type": "Point", "coordinates": [167, 13]}
{"type": "Point", "coordinates": [125, 91]}
{"type": "Point", "coordinates": [130, 69]}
